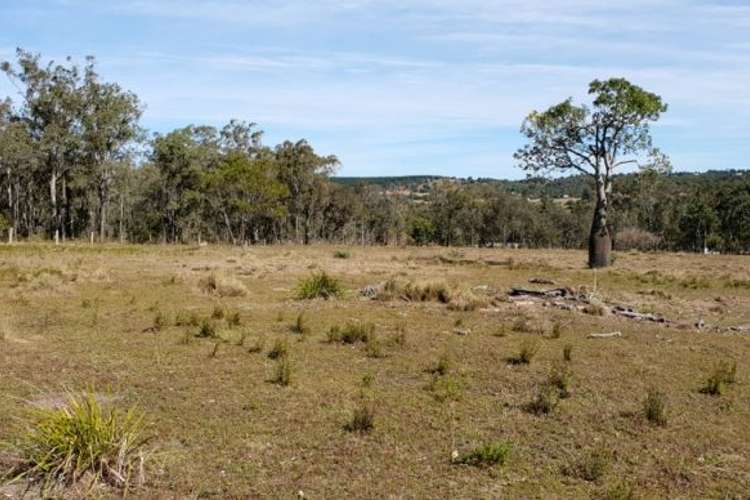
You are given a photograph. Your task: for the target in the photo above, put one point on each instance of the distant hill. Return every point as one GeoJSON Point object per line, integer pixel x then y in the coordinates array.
{"type": "Point", "coordinates": [572, 186]}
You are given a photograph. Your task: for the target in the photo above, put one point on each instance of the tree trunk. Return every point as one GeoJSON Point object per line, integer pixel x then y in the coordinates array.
{"type": "Point", "coordinates": [53, 200]}
{"type": "Point", "coordinates": [600, 239]}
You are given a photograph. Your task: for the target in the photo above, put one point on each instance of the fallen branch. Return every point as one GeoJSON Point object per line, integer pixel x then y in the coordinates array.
{"type": "Point", "coordinates": [605, 335]}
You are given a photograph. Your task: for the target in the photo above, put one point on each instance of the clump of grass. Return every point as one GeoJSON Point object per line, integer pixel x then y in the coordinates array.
{"type": "Point", "coordinates": [490, 454]}
{"type": "Point", "coordinates": [223, 286]}
{"type": "Point", "coordinates": [621, 491]}
{"type": "Point", "coordinates": [233, 319]}
{"type": "Point", "coordinates": [723, 375]}
{"type": "Point", "coordinates": [446, 388]}
{"type": "Point", "coordinates": [320, 285]}
{"type": "Point", "coordinates": [218, 312]}
{"type": "Point", "coordinates": [207, 329]}
{"type": "Point", "coordinates": [526, 352]}
{"type": "Point", "coordinates": [342, 254]}
{"type": "Point", "coordinates": [279, 350]}
{"type": "Point", "coordinates": [374, 347]}
{"type": "Point", "coordinates": [363, 416]}
{"type": "Point", "coordinates": [62, 445]}
{"type": "Point", "coordinates": [257, 346]}
{"type": "Point", "coordinates": [184, 318]}
{"type": "Point", "coordinates": [282, 374]}
{"type": "Point", "coordinates": [367, 380]}
{"type": "Point", "coordinates": [522, 325]}
{"type": "Point", "coordinates": [557, 330]}
{"type": "Point", "coordinates": [351, 333]}
{"type": "Point", "coordinates": [545, 401]}
{"type": "Point", "coordinates": [561, 378]}
{"type": "Point", "coordinates": [301, 325]}
{"type": "Point", "coordinates": [214, 350]}
{"type": "Point", "coordinates": [655, 407]}
{"type": "Point", "coordinates": [464, 299]}
{"type": "Point", "coordinates": [442, 366]}
{"type": "Point", "coordinates": [435, 291]}
{"type": "Point", "coordinates": [592, 466]}
{"type": "Point", "coordinates": [398, 338]}
{"type": "Point", "coordinates": [568, 352]}
{"type": "Point", "coordinates": [160, 321]}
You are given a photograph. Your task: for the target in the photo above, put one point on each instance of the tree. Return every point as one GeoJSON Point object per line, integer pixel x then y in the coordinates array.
{"type": "Point", "coordinates": [595, 141]}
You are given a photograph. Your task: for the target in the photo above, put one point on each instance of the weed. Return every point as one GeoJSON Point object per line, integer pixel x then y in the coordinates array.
{"type": "Point", "coordinates": [233, 319]}
{"type": "Point", "coordinates": [320, 285]}
{"type": "Point", "coordinates": [160, 321]}
{"type": "Point", "coordinates": [620, 491]}
{"type": "Point", "coordinates": [184, 318]}
{"type": "Point", "coordinates": [64, 444]}
{"type": "Point", "coordinates": [526, 352]}
{"type": "Point", "coordinates": [557, 330]}
{"type": "Point", "coordinates": [342, 254]}
{"type": "Point", "coordinates": [490, 454]}
{"type": "Point", "coordinates": [374, 347]}
{"type": "Point", "coordinates": [224, 286]}
{"type": "Point", "coordinates": [367, 380]}
{"type": "Point", "coordinates": [446, 388]}
{"type": "Point", "coordinates": [654, 407]}
{"type": "Point", "coordinates": [279, 350]}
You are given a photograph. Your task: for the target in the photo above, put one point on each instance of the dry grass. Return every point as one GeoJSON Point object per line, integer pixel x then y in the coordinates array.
{"type": "Point", "coordinates": [224, 431]}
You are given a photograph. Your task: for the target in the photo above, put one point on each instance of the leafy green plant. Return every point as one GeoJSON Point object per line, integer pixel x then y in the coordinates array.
{"type": "Point", "coordinates": [320, 285]}
{"type": "Point", "coordinates": [490, 454]}
{"type": "Point", "coordinates": [62, 445]}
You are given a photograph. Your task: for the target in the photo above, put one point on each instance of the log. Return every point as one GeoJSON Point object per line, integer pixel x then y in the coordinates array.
{"type": "Point", "coordinates": [605, 335]}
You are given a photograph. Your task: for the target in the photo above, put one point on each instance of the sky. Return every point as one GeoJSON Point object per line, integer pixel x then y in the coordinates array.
{"type": "Point", "coordinates": [399, 87]}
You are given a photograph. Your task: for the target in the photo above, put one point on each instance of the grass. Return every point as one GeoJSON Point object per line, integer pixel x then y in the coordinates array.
{"type": "Point", "coordinates": [222, 429]}
{"type": "Point", "coordinates": [79, 440]}
{"type": "Point", "coordinates": [363, 416]}
{"type": "Point", "coordinates": [320, 286]}
{"type": "Point", "coordinates": [282, 372]}
{"type": "Point", "coordinates": [491, 454]}
{"type": "Point", "coordinates": [342, 254]}
{"type": "Point", "coordinates": [351, 333]}
{"type": "Point", "coordinates": [279, 350]}
{"type": "Point", "coordinates": [526, 352]}
{"type": "Point", "coordinates": [723, 375]}
{"type": "Point", "coordinates": [301, 326]}
{"type": "Point", "coordinates": [655, 407]}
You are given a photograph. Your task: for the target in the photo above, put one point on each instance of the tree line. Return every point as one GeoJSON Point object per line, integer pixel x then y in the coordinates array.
{"type": "Point", "coordinates": [74, 161]}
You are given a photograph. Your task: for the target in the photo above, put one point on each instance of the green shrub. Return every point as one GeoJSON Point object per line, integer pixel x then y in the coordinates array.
{"type": "Point", "coordinates": [446, 388]}
{"type": "Point", "coordinates": [724, 374]}
{"type": "Point", "coordinates": [490, 454]}
{"type": "Point", "coordinates": [592, 466]}
{"type": "Point", "coordinates": [319, 285]}
{"type": "Point", "coordinates": [654, 407]}
{"type": "Point", "coordinates": [63, 444]}
{"type": "Point", "coordinates": [342, 254]}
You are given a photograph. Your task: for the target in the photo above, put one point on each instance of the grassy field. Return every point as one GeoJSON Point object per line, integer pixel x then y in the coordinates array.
{"type": "Point", "coordinates": [440, 378]}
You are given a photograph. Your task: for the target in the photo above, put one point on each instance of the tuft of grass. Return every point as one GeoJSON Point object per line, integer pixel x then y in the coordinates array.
{"type": "Point", "coordinates": [568, 352]}
{"type": "Point", "coordinates": [282, 374]}
{"type": "Point", "coordinates": [545, 401]}
{"type": "Point", "coordinates": [279, 350]}
{"type": "Point", "coordinates": [300, 325]}
{"type": "Point", "coordinates": [160, 321]}
{"type": "Point", "coordinates": [436, 291]}
{"type": "Point", "coordinates": [491, 454]}
{"type": "Point", "coordinates": [655, 407]}
{"type": "Point", "coordinates": [561, 378]}
{"type": "Point", "coordinates": [557, 330]}
{"type": "Point", "coordinates": [442, 366]}
{"type": "Point", "coordinates": [522, 325]}
{"type": "Point", "coordinates": [363, 416]}
{"type": "Point", "coordinates": [218, 312]}
{"type": "Point", "coordinates": [233, 319]}
{"type": "Point", "coordinates": [257, 346]}
{"type": "Point", "coordinates": [351, 333]}
{"type": "Point", "coordinates": [215, 350]}
{"type": "Point", "coordinates": [374, 347]}
{"type": "Point", "coordinates": [446, 388]}
{"type": "Point", "coordinates": [223, 286]}
{"type": "Point", "coordinates": [320, 286]}
{"type": "Point", "coordinates": [342, 254]}
{"type": "Point", "coordinates": [592, 466]}
{"type": "Point", "coordinates": [526, 352]}
{"type": "Point", "coordinates": [723, 375]}
{"type": "Point", "coordinates": [207, 329]}
{"type": "Point", "coordinates": [184, 318]}
{"type": "Point", "coordinates": [63, 445]}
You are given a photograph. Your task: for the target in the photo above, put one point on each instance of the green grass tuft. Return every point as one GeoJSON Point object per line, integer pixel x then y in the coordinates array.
{"type": "Point", "coordinates": [320, 286]}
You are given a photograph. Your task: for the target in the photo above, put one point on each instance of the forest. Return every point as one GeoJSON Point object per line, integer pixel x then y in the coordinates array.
{"type": "Point", "coordinates": [75, 163]}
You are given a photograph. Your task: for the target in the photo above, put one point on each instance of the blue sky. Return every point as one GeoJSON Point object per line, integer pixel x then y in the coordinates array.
{"type": "Point", "coordinates": [409, 86]}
